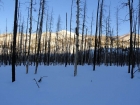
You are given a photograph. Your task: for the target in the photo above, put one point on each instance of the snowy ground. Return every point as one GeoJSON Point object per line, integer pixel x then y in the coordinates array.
{"type": "Point", "coordinates": [104, 86]}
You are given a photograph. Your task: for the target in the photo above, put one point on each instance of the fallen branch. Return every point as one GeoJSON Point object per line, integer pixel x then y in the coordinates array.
{"type": "Point", "coordinates": [36, 82]}
{"type": "Point", "coordinates": [136, 70]}
{"type": "Point", "coordinates": [41, 78]}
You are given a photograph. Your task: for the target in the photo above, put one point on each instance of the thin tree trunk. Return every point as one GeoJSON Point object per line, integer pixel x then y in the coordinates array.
{"type": "Point", "coordinates": [66, 44]}
{"type": "Point", "coordinates": [70, 33]}
{"type": "Point", "coordinates": [46, 39]}
{"type": "Point", "coordinates": [117, 23]}
{"type": "Point", "coordinates": [131, 25]}
{"type": "Point", "coordinates": [138, 32]}
{"type": "Point", "coordinates": [56, 40]}
{"type": "Point", "coordinates": [25, 51]}
{"type": "Point", "coordinates": [85, 49]}
{"type": "Point", "coordinates": [96, 32]}
{"type": "Point", "coordinates": [37, 27]}
{"type": "Point", "coordinates": [49, 43]}
{"type": "Point", "coordinates": [40, 33]}
{"type": "Point", "coordinates": [100, 32]}
{"type": "Point", "coordinates": [77, 37]}
{"type": "Point", "coordinates": [90, 57]}
{"type": "Point", "coordinates": [30, 32]}
{"type": "Point", "coordinates": [83, 28]}
{"type": "Point", "coordinates": [21, 40]}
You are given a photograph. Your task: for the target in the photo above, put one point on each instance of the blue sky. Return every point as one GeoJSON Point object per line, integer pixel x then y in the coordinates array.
{"type": "Point", "coordinates": [60, 7]}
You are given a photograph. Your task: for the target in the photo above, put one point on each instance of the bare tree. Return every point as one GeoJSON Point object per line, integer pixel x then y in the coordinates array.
{"type": "Point", "coordinates": [108, 38]}
{"type": "Point", "coordinates": [96, 32]}
{"type": "Point", "coordinates": [77, 36]}
{"type": "Point", "coordinates": [100, 31]}
{"type": "Point", "coordinates": [30, 32]}
{"type": "Point", "coordinates": [85, 48]}
{"type": "Point", "coordinates": [66, 44]}
{"type": "Point", "coordinates": [83, 29]}
{"type": "Point", "coordinates": [111, 46]}
{"type": "Point", "coordinates": [117, 31]}
{"type": "Point", "coordinates": [56, 40]}
{"type": "Point", "coordinates": [37, 28]}
{"type": "Point", "coordinates": [40, 32]}
{"type": "Point", "coordinates": [14, 40]}
{"type": "Point", "coordinates": [90, 40]}
{"type": "Point", "coordinates": [21, 43]}
{"type": "Point", "coordinates": [134, 46]}
{"type": "Point", "coordinates": [5, 47]}
{"type": "Point", "coordinates": [25, 44]}
{"type": "Point", "coordinates": [138, 31]}
{"type": "Point", "coordinates": [70, 32]}
{"type": "Point", "coordinates": [130, 4]}
{"type": "Point", "coordinates": [49, 42]}
{"type": "Point", "coordinates": [46, 37]}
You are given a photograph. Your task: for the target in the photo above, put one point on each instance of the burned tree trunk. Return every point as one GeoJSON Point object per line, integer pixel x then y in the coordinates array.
{"type": "Point", "coordinates": [40, 34]}
{"type": "Point", "coordinates": [117, 29]}
{"type": "Point", "coordinates": [49, 42]}
{"type": "Point", "coordinates": [66, 44]}
{"type": "Point", "coordinates": [100, 32]}
{"type": "Point", "coordinates": [30, 32]}
{"type": "Point", "coordinates": [96, 32]}
{"type": "Point", "coordinates": [14, 41]}
{"type": "Point", "coordinates": [46, 39]}
{"type": "Point", "coordinates": [77, 37]}
{"type": "Point", "coordinates": [70, 34]}
{"type": "Point", "coordinates": [130, 4]}
{"type": "Point", "coordinates": [25, 44]}
{"type": "Point", "coordinates": [83, 29]}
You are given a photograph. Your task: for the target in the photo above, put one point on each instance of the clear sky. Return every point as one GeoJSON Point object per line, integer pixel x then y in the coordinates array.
{"type": "Point", "coordinates": [61, 7]}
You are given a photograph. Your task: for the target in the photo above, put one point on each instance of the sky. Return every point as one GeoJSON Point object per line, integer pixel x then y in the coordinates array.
{"type": "Point", "coordinates": [61, 7]}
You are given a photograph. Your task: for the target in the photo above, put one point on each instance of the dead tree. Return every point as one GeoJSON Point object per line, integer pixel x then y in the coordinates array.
{"type": "Point", "coordinates": [56, 39]}
{"type": "Point", "coordinates": [46, 38]}
{"type": "Point", "coordinates": [83, 29]}
{"type": "Point", "coordinates": [18, 35]}
{"type": "Point", "coordinates": [5, 47]}
{"type": "Point", "coordinates": [50, 34]}
{"type": "Point", "coordinates": [130, 4]}
{"type": "Point", "coordinates": [134, 46]}
{"type": "Point", "coordinates": [30, 32]}
{"type": "Point", "coordinates": [70, 33]}
{"type": "Point", "coordinates": [108, 38]}
{"type": "Point", "coordinates": [138, 31]}
{"type": "Point", "coordinates": [14, 40]}
{"type": "Point", "coordinates": [37, 29]}
{"type": "Point", "coordinates": [117, 30]}
{"type": "Point", "coordinates": [66, 44]}
{"type": "Point", "coordinates": [106, 41]}
{"type": "Point", "coordinates": [77, 36]}
{"type": "Point", "coordinates": [96, 33]}
{"type": "Point", "coordinates": [111, 46]}
{"type": "Point", "coordinates": [40, 32]}
{"type": "Point", "coordinates": [100, 32]}
{"type": "Point", "coordinates": [85, 49]}
{"type": "Point", "coordinates": [90, 41]}
{"type": "Point", "coordinates": [21, 43]}
{"type": "Point", "coordinates": [25, 44]}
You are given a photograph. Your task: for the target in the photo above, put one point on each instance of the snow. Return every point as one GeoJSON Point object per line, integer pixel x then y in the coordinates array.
{"type": "Point", "coordinates": [105, 86]}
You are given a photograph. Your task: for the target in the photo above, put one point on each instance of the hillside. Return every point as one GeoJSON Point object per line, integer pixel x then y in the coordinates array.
{"type": "Point", "coordinates": [61, 39]}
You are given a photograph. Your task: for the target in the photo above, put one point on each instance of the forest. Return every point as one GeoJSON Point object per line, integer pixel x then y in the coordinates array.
{"type": "Point", "coordinates": [68, 47]}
